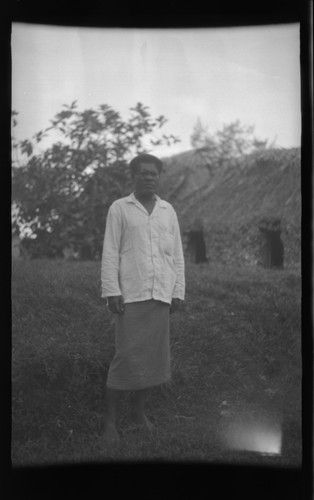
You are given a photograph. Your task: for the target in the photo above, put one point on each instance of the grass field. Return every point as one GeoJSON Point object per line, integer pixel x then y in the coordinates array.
{"type": "Point", "coordinates": [236, 360]}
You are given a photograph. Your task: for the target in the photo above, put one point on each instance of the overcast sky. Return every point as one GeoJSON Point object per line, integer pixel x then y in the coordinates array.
{"type": "Point", "coordinates": [218, 75]}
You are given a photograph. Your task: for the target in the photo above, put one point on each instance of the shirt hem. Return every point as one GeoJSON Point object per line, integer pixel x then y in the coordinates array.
{"type": "Point", "coordinates": [142, 299]}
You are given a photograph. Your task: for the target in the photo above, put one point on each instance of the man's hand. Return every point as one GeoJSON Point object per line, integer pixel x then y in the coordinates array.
{"type": "Point", "coordinates": [175, 305]}
{"type": "Point", "coordinates": [116, 304]}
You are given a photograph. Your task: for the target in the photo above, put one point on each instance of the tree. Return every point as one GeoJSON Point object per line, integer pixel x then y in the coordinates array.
{"type": "Point", "coordinates": [63, 193]}
{"type": "Point", "coordinates": [228, 144]}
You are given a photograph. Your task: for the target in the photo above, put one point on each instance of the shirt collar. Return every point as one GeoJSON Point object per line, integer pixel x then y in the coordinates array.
{"type": "Point", "coordinates": [132, 199]}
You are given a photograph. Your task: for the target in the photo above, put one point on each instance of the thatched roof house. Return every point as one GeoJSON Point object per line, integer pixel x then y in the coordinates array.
{"type": "Point", "coordinates": [243, 207]}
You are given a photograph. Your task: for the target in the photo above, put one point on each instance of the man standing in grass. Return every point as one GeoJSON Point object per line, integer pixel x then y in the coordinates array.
{"type": "Point", "coordinates": [143, 280]}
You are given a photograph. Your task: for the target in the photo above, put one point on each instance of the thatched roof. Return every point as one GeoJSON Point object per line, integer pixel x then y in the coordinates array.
{"type": "Point", "coordinates": [262, 184]}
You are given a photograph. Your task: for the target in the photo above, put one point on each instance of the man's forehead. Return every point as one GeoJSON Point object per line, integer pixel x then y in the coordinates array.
{"type": "Point", "coordinates": [147, 165]}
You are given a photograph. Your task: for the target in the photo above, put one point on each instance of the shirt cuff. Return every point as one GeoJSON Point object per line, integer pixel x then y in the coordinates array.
{"type": "Point", "coordinates": [105, 294]}
{"type": "Point", "coordinates": [178, 294]}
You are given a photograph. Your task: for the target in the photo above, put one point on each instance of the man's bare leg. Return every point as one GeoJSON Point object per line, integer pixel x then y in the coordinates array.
{"type": "Point", "coordinates": [138, 404]}
{"type": "Point", "coordinates": [112, 399]}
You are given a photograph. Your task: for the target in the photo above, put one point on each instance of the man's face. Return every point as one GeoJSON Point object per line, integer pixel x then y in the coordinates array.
{"type": "Point", "coordinates": [146, 179]}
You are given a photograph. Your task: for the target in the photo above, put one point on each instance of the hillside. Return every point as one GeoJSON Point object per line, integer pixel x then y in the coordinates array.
{"type": "Point", "coordinates": [231, 201]}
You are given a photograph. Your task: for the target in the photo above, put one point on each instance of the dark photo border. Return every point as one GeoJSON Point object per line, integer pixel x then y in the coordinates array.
{"type": "Point", "coordinates": [163, 480]}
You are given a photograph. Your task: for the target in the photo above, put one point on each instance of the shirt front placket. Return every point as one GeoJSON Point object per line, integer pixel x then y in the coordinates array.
{"type": "Point", "coordinates": [152, 262]}
{"type": "Point", "coordinates": [154, 232]}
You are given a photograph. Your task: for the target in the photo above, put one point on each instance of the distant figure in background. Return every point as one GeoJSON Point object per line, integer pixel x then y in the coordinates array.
{"type": "Point", "coordinates": [143, 279]}
{"type": "Point", "coordinates": [272, 248]}
{"type": "Point", "coordinates": [19, 250]}
{"type": "Point", "coordinates": [196, 243]}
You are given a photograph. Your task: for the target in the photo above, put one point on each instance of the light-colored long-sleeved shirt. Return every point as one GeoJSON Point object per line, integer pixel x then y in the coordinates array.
{"type": "Point", "coordinates": [142, 254]}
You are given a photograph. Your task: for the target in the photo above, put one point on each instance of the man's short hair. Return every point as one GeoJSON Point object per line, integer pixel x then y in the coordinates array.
{"type": "Point", "coordinates": [144, 158]}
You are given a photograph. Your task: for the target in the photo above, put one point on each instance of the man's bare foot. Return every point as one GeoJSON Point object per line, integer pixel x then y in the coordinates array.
{"type": "Point", "coordinates": [111, 435]}
{"type": "Point", "coordinates": [141, 420]}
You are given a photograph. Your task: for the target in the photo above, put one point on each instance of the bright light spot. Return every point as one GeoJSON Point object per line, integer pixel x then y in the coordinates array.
{"type": "Point", "coordinates": [253, 436]}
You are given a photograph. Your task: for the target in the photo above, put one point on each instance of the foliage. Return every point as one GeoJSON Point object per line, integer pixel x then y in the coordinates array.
{"type": "Point", "coordinates": [229, 143]}
{"type": "Point", "coordinates": [63, 193]}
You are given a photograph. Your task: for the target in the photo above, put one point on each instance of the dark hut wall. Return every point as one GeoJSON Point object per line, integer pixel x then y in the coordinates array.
{"type": "Point", "coordinates": [231, 203]}
{"type": "Point", "coordinates": [243, 245]}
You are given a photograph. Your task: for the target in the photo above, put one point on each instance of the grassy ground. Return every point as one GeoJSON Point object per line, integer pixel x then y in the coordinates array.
{"type": "Point", "coordinates": [236, 361]}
